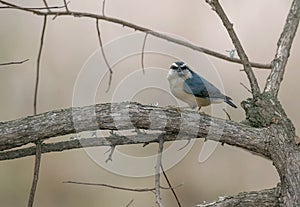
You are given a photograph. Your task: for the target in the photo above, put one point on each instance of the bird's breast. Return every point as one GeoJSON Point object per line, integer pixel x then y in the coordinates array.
{"type": "Point", "coordinates": [176, 86]}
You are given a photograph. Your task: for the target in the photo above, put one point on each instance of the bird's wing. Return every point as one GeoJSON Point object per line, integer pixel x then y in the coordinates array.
{"type": "Point", "coordinates": [201, 88]}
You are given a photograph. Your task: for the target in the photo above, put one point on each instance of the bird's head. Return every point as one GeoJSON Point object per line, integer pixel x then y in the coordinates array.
{"type": "Point", "coordinates": [181, 69]}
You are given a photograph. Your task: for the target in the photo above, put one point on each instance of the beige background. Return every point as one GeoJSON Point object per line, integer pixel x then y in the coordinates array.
{"type": "Point", "coordinates": [68, 44]}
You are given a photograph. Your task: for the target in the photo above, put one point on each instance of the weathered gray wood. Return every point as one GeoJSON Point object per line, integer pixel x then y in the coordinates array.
{"type": "Point", "coordinates": [128, 116]}
{"type": "Point", "coordinates": [263, 198]}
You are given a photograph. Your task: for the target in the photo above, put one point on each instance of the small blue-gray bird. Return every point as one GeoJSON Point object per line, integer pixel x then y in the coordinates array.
{"type": "Point", "coordinates": [191, 88]}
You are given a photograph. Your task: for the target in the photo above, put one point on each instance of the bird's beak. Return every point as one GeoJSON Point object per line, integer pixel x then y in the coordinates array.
{"type": "Point", "coordinates": [179, 69]}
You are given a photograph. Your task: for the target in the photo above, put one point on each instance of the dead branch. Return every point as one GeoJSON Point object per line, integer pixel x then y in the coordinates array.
{"type": "Point", "coordinates": [61, 122]}
{"type": "Point", "coordinates": [137, 28]}
{"type": "Point", "coordinates": [216, 6]}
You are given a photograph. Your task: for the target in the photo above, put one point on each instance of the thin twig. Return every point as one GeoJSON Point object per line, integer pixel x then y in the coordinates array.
{"type": "Point", "coordinates": [139, 28]}
{"type": "Point", "coordinates": [109, 158]}
{"type": "Point", "coordinates": [143, 52]}
{"type": "Point", "coordinates": [117, 187]}
{"type": "Point", "coordinates": [46, 5]}
{"type": "Point", "coordinates": [284, 45]}
{"type": "Point", "coordinates": [38, 156]}
{"type": "Point", "coordinates": [170, 185]}
{"type": "Point", "coordinates": [66, 5]}
{"type": "Point", "coordinates": [111, 186]}
{"type": "Point", "coordinates": [185, 145]}
{"type": "Point", "coordinates": [103, 8]}
{"type": "Point", "coordinates": [237, 44]}
{"type": "Point", "coordinates": [130, 202]}
{"type": "Point", "coordinates": [38, 66]}
{"type": "Point", "coordinates": [157, 172]}
{"type": "Point", "coordinates": [227, 114]}
{"type": "Point", "coordinates": [245, 87]}
{"type": "Point", "coordinates": [14, 62]}
{"type": "Point", "coordinates": [104, 56]}
{"type": "Point", "coordinates": [35, 8]}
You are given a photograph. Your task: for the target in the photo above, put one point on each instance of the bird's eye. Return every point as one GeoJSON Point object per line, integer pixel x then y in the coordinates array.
{"type": "Point", "coordinates": [183, 67]}
{"type": "Point", "coordinates": [174, 67]}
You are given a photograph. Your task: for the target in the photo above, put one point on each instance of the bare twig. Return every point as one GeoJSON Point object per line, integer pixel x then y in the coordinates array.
{"type": "Point", "coordinates": [13, 62]}
{"type": "Point", "coordinates": [130, 202]}
{"type": "Point", "coordinates": [112, 186]}
{"type": "Point", "coordinates": [46, 5]}
{"type": "Point", "coordinates": [111, 152]}
{"type": "Point", "coordinates": [66, 5]}
{"type": "Point", "coordinates": [157, 172]}
{"type": "Point", "coordinates": [117, 187]}
{"type": "Point", "coordinates": [185, 145]}
{"type": "Point", "coordinates": [284, 45]}
{"type": "Point", "coordinates": [237, 44]}
{"type": "Point", "coordinates": [170, 185]}
{"type": "Point", "coordinates": [103, 8]}
{"type": "Point", "coordinates": [104, 56]}
{"type": "Point", "coordinates": [242, 84]}
{"type": "Point", "coordinates": [139, 28]}
{"type": "Point", "coordinates": [143, 52]}
{"type": "Point", "coordinates": [227, 114]}
{"type": "Point", "coordinates": [77, 144]}
{"type": "Point", "coordinates": [38, 66]}
{"type": "Point", "coordinates": [37, 164]}
{"type": "Point", "coordinates": [35, 8]}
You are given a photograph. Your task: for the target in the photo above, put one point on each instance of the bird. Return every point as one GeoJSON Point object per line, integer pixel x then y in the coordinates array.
{"type": "Point", "coordinates": [193, 89]}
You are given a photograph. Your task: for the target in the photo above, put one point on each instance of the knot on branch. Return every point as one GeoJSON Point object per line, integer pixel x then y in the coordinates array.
{"type": "Point", "coordinates": [264, 110]}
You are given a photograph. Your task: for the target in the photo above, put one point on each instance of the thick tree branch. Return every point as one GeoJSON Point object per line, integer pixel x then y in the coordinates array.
{"type": "Point", "coordinates": [138, 28]}
{"type": "Point", "coordinates": [284, 45]}
{"type": "Point", "coordinates": [216, 6]}
{"type": "Point", "coordinates": [128, 116]}
{"type": "Point", "coordinates": [264, 198]}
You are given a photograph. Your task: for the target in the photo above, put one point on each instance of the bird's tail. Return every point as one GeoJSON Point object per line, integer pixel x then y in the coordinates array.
{"type": "Point", "coordinates": [229, 102]}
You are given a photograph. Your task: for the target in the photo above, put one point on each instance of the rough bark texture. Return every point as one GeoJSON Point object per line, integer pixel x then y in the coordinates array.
{"type": "Point", "coordinates": [264, 198]}
{"type": "Point", "coordinates": [173, 124]}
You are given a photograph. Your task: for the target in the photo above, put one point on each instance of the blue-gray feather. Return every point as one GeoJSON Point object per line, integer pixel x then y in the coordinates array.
{"type": "Point", "coordinates": [201, 88]}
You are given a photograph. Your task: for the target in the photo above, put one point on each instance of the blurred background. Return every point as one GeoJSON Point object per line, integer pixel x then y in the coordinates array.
{"type": "Point", "coordinates": [70, 42]}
